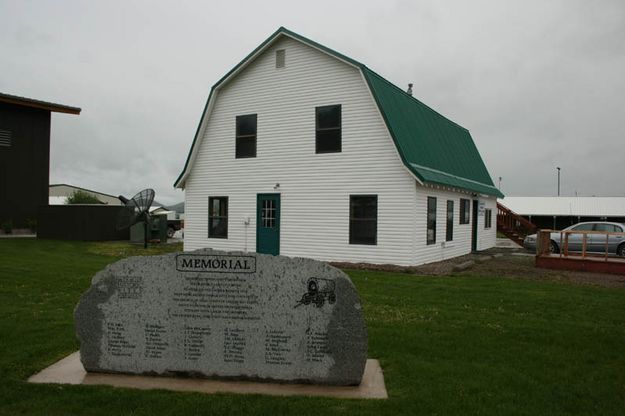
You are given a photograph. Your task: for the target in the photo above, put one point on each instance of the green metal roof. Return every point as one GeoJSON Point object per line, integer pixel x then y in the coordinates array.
{"type": "Point", "coordinates": [435, 149]}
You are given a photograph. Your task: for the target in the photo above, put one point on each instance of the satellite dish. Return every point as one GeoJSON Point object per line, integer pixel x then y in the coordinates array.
{"type": "Point", "coordinates": [136, 210]}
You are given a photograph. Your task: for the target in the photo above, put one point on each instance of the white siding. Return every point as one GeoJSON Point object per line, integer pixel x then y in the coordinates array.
{"type": "Point", "coordinates": [314, 188]}
{"type": "Point", "coordinates": [487, 237]}
{"type": "Point", "coordinates": [461, 243]}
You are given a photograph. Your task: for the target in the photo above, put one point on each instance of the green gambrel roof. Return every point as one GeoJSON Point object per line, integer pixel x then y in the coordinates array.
{"type": "Point", "coordinates": [435, 149]}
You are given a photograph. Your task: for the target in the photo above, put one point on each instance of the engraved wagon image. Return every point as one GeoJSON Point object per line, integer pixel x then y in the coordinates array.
{"type": "Point", "coordinates": [319, 291]}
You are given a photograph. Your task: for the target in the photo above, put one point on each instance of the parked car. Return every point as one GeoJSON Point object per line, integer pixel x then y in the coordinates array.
{"type": "Point", "coordinates": [595, 243]}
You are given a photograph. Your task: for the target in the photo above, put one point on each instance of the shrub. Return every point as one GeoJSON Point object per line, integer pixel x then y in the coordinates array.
{"type": "Point", "coordinates": [7, 226]}
{"type": "Point", "coordinates": [31, 223]}
{"type": "Point", "coordinates": [81, 197]}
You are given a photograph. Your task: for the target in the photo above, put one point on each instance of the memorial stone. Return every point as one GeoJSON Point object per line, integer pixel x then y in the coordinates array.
{"type": "Point", "coordinates": [224, 314]}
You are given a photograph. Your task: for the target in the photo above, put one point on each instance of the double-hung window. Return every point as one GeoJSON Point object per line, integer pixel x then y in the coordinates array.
{"type": "Point", "coordinates": [218, 217]}
{"type": "Point", "coordinates": [363, 219]}
{"type": "Point", "coordinates": [465, 211]}
{"type": "Point", "coordinates": [449, 232]}
{"type": "Point", "coordinates": [328, 129]}
{"type": "Point", "coordinates": [246, 136]}
{"type": "Point", "coordinates": [488, 218]}
{"type": "Point", "coordinates": [431, 221]}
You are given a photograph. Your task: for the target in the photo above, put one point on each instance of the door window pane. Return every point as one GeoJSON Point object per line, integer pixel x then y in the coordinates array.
{"type": "Point", "coordinates": [268, 213]}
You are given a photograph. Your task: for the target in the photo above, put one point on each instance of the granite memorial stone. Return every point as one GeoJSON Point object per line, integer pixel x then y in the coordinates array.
{"type": "Point", "coordinates": [224, 314]}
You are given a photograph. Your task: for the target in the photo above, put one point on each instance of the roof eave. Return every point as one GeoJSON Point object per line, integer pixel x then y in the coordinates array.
{"type": "Point", "coordinates": [42, 105]}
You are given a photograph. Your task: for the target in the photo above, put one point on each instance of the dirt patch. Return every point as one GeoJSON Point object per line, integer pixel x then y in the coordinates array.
{"type": "Point", "coordinates": [522, 267]}
{"type": "Point", "coordinates": [506, 263]}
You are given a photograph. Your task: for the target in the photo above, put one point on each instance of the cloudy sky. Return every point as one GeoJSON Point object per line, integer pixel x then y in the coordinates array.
{"type": "Point", "coordinates": [539, 84]}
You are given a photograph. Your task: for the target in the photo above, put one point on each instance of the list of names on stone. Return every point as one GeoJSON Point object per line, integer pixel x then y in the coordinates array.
{"type": "Point", "coordinates": [194, 344]}
{"type": "Point", "coordinates": [234, 345]}
{"type": "Point", "coordinates": [129, 287]}
{"type": "Point", "coordinates": [117, 343]}
{"type": "Point", "coordinates": [277, 347]}
{"type": "Point", "coordinates": [316, 345]}
{"type": "Point", "coordinates": [155, 343]}
{"type": "Point", "coordinates": [237, 315]}
{"type": "Point", "coordinates": [210, 298]}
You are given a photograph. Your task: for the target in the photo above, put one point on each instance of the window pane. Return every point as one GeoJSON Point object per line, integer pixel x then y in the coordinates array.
{"type": "Point", "coordinates": [605, 227]}
{"type": "Point", "coordinates": [584, 227]}
{"type": "Point", "coordinates": [328, 141]}
{"type": "Point", "coordinates": [246, 125]}
{"type": "Point", "coordinates": [363, 222]}
{"type": "Point", "coordinates": [268, 214]}
{"type": "Point", "coordinates": [465, 211]}
{"type": "Point", "coordinates": [449, 235]}
{"type": "Point", "coordinates": [218, 227]}
{"type": "Point", "coordinates": [362, 231]}
{"type": "Point", "coordinates": [218, 217]}
{"type": "Point", "coordinates": [431, 221]}
{"type": "Point", "coordinates": [246, 147]}
{"type": "Point", "coordinates": [364, 207]}
{"type": "Point", "coordinates": [329, 117]}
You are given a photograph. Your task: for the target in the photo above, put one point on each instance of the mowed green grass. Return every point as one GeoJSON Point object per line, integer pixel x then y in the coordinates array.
{"type": "Point", "coordinates": [450, 345]}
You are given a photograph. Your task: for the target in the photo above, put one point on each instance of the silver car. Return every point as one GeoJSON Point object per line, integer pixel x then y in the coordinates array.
{"type": "Point", "coordinates": [595, 243]}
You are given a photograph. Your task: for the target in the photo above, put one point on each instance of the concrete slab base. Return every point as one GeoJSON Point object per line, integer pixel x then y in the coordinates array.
{"type": "Point", "coordinates": [69, 370]}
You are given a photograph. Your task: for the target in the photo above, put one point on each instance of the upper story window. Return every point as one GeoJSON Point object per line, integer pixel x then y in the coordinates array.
{"type": "Point", "coordinates": [465, 211]}
{"type": "Point", "coordinates": [328, 129]}
{"type": "Point", "coordinates": [246, 136]}
{"type": "Point", "coordinates": [280, 58]}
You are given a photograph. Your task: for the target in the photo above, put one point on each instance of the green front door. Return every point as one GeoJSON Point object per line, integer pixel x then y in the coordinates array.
{"type": "Point", "coordinates": [268, 224]}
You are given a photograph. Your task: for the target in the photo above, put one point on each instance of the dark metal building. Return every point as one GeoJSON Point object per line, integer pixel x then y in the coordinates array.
{"type": "Point", "coordinates": [25, 156]}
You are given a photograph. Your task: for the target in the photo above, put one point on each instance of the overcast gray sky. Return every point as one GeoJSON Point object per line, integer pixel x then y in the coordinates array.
{"type": "Point", "coordinates": [539, 84]}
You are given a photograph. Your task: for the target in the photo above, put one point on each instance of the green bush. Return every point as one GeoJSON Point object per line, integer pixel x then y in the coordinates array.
{"type": "Point", "coordinates": [31, 223]}
{"type": "Point", "coordinates": [81, 197]}
{"type": "Point", "coordinates": [7, 226]}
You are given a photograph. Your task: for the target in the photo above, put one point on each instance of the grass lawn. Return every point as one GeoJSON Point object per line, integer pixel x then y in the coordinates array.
{"type": "Point", "coordinates": [450, 345]}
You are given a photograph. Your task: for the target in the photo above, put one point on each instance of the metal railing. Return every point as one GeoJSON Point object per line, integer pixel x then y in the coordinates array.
{"type": "Point", "coordinates": [543, 244]}
{"type": "Point", "coordinates": [510, 221]}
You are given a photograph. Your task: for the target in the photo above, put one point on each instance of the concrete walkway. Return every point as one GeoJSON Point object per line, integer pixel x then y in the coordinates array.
{"type": "Point", "coordinates": [18, 235]}
{"type": "Point", "coordinates": [506, 243]}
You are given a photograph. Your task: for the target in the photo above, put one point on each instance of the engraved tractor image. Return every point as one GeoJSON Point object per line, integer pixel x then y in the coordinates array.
{"type": "Point", "coordinates": [319, 291]}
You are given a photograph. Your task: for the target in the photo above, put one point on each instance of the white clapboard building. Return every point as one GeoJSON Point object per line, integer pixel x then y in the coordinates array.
{"type": "Point", "coordinates": [302, 151]}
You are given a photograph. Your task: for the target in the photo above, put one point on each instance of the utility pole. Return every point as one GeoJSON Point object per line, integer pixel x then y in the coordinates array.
{"type": "Point", "coordinates": [558, 180]}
